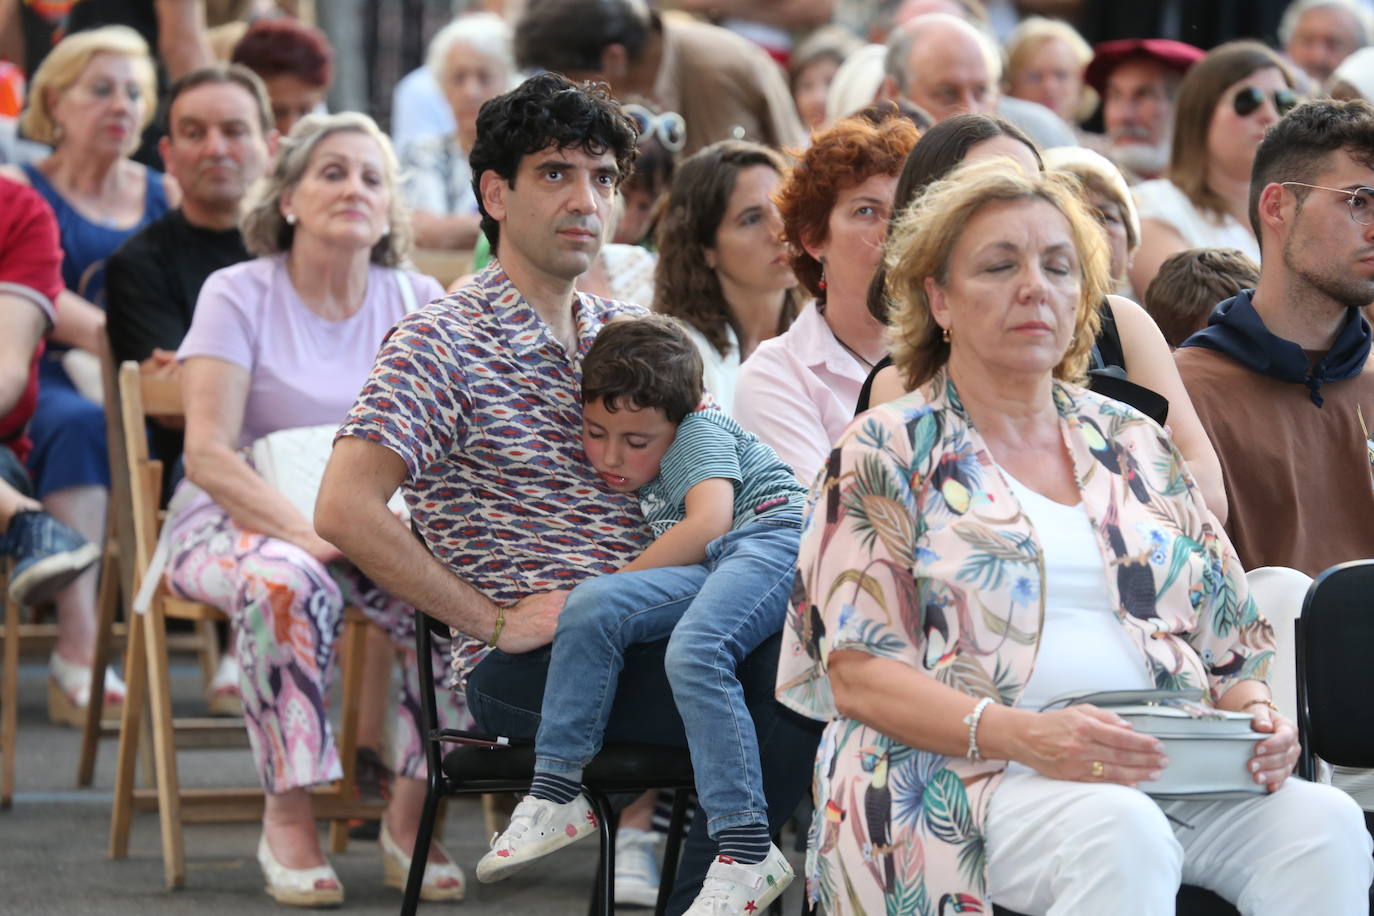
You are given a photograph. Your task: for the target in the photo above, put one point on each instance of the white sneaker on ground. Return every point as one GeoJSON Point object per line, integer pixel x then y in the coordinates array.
{"type": "Point", "coordinates": [537, 828]}
{"type": "Point", "coordinates": [636, 867]}
{"type": "Point", "coordinates": [733, 889]}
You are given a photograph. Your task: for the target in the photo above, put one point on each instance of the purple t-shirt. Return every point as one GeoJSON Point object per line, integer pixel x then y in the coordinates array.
{"type": "Point", "coordinates": [305, 370]}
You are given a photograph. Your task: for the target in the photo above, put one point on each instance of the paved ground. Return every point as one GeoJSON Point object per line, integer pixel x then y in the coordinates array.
{"type": "Point", "coordinates": [53, 841]}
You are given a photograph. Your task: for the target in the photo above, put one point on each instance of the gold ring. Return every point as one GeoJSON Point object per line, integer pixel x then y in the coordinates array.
{"type": "Point", "coordinates": [1097, 769]}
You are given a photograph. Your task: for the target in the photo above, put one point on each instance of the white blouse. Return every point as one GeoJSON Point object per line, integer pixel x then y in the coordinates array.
{"type": "Point", "coordinates": [1162, 201]}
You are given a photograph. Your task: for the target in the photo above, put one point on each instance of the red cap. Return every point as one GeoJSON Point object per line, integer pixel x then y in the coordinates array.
{"type": "Point", "coordinates": [1176, 55]}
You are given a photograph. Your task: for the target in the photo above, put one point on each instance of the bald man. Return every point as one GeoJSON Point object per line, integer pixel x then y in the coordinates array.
{"type": "Point", "coordinates": [945, 66]}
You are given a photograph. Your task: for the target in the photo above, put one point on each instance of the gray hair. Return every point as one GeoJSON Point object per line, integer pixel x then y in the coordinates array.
{"type": "Point", "coordinates": [486, 33]}
{"type": "Point", "coordinates": [265, 229]}
{"type": "Point", "coordinates": [900, 42]}
{"type": "Point", "coordinates": [1295, 11]}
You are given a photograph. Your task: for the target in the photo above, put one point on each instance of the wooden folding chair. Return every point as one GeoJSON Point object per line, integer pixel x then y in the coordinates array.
{"type": "Point", "coordinates": [116, 578]}
{"type": "Point", "coordinates": [147, 677]}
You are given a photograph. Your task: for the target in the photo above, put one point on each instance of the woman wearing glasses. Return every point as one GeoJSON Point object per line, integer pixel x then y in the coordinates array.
{"type": "Point", "coordinates": [1225, 104]}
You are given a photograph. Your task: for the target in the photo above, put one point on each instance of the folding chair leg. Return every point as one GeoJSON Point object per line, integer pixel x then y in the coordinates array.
{"type": "Point", "coordinates": [130, 722]}
{"type": "Point", "coordinates": [420, 855]}
{"type": "Point", "coordinates": [208, 651]}
{"type": "Point", "coordinates": [672, 851]}
{"type": "Point", "coordinates": [9, 700]}
{"type": "Point", "coordinates": [603, 892]}
{"type": "Point", "coordinates": [164, 748]}
{"type": "Point", "coordinates": [352, 651]}
{"type": "Point", "coordinates": [107, 602]}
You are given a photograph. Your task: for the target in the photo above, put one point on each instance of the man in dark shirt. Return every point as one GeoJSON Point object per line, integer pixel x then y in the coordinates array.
{"type": "Point", "coordinates": [220, 141]}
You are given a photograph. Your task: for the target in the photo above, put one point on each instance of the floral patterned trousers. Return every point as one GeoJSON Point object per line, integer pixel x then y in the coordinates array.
{"type": "Point", "coordinates": [287, 609]}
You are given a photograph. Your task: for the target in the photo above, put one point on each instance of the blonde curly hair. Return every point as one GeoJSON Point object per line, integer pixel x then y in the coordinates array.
{"type": "Point", "coordinates": [922, 241]}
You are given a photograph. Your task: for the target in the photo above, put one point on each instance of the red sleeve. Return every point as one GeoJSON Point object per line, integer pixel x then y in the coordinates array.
{"type": "Point", "coordinates": [30, 267]}
{"type": "Point", "coordinates": [30, 249]}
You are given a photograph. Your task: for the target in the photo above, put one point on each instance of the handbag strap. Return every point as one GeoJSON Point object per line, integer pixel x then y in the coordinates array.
{"type": "Point", "coordinates": [407, 291]}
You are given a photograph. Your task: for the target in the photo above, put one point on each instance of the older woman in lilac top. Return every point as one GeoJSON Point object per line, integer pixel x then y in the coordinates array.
{"type": "Point", "coordinates": [286, 341]}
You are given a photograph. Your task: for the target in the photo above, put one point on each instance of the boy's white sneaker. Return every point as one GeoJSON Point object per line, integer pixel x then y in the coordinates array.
{"type": "Point", "coordinates": [537, 827]}
{"type": "Point", "coordinates": [733, 889]}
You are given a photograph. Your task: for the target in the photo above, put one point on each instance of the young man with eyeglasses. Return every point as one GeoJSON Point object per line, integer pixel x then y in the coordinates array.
{"type": "Point", "coordinates": [1281, 376]}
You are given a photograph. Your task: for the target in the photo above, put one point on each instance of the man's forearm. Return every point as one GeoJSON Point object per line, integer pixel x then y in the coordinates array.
{"type": "Point", "coordinates": [383, 547]}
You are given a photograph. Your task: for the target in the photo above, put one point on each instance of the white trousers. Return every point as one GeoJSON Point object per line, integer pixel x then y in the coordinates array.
{"type": "Point", "coordinates": [1056, 847]}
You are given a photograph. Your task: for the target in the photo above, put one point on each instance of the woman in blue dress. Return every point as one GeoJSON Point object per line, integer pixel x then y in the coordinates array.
{"type": "Point", "coordinates": [90, 100]}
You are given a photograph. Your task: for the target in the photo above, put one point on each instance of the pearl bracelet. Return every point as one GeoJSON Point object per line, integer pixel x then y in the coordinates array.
{"type": "Point", "coordinates": [972, 720]}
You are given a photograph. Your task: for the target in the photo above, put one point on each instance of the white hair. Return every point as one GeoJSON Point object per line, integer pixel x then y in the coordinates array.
{"type": "Point", "coordinates": [856, 83]}
{"type": "Point", "coordinates": [899, 45]}
{"type": "Point", "coordinates": [486, 33]}
{"type": "Point", "coordinates": [1297, 8]}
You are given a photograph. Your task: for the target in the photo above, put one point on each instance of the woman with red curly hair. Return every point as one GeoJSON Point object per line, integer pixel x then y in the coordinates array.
{"type": "Point", "coordinates": [797, 392]}
{"type": "Point", "coordinates": [296, 62]}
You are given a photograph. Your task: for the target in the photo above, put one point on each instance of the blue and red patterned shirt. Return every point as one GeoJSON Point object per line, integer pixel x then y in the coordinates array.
{"type": "Point", "coordinates": [484, 405]}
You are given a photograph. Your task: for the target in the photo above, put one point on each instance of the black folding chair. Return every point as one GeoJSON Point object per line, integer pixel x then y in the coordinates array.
{"type": "Point", "coordinates": [1335, 631]}
{"type": "Point", "coordinates": [479, 764]}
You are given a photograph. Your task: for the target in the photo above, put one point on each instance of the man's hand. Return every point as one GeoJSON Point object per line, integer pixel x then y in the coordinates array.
{"type": "Point", "coordinates": [161, 364]}
{"type": "Point", "coordinates": [531, 621]}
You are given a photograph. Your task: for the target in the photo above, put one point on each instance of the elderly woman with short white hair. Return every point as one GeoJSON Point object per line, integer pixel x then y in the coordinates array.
{"type": "Point", "coordinates": [281, 342]}
{"type": "Point", "coordinates": [471, 59]}
{"type": "Point", "coordinates": [999, 538]}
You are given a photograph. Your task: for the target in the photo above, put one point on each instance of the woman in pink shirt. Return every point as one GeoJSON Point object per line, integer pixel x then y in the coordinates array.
{"type": "Point", "coordinates": [797, 392]}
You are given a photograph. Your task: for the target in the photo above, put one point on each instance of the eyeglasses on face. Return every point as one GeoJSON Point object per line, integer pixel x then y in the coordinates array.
{"type": "Point", "coordinates": [668, 127]}
{"type": "Point", "coordinates": [1360, 201]}
{"type": "Point", "coordinates": [1248, 100]}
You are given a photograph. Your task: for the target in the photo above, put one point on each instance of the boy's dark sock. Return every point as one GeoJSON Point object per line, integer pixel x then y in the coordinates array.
{"type": "Point", "coordinates": [747, 845]}
{"type": "Point", "coordinates": [554, 788]}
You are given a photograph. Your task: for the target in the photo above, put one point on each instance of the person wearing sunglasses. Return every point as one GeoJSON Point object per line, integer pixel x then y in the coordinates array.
{"type": "Point", "coordinates": [1225, 104]}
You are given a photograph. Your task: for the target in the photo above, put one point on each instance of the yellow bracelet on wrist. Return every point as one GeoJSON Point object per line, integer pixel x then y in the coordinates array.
{"type": "Point", "coordinates": [1265, 700]}
{"type": "Point", "coordinates": [500, 623]}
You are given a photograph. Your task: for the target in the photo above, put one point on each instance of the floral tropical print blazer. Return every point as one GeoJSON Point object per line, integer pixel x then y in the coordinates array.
{"type": "Point", "coordinates": [916, 550]}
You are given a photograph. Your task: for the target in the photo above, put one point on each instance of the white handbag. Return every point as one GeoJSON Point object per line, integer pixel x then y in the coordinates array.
{"type": "Point", "coordinates": [293, 461]}
{"type": "Point", "coordinates": [1209, 749]}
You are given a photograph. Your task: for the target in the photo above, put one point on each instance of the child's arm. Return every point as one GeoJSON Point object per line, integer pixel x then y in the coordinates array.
{"type": "Point", "coordinates": [710, 513]}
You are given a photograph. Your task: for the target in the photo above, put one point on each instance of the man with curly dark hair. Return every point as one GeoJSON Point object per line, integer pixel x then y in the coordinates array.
{"type": "Point", "coordinates": [474, 406]}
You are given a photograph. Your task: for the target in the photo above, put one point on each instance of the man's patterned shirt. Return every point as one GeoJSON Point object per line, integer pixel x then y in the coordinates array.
{"type": "Point", "coordinates": [484, 406]}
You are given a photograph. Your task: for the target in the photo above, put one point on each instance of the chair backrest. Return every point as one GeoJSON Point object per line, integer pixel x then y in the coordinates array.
{"type": "Point", "coordinates": [142, 396]}
{"type": "Point", "coordinates": [1279, 592]}
{"type": "Point", "coordinates": [1335, 677]}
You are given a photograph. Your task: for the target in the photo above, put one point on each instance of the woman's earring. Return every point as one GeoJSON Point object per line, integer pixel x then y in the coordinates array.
{"type": "Point", "coordinates": [386, 230]}
{"type": "Point", "coordinates": [290, 219]}
{"type": "Point", "coordinates": [821, 284]}
{"type": "Point", "coordinates": [944, 334]}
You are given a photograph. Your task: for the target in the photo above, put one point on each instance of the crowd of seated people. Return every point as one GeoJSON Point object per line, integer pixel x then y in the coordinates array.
{"type": "Point", "coordinates": [1031, 305]}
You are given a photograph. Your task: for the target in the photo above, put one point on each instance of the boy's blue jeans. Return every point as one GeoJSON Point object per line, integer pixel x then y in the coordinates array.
{"type": "Point", "coordinates": [717, 612]}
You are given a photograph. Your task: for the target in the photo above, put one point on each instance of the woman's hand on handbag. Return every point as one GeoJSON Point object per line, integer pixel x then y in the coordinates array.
{"type": "Point", "coordinates": [1087, 744]}
{"type": "Point", "coordinates": [1275, 756]}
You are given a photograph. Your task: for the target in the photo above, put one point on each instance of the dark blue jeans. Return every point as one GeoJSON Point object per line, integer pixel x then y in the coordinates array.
{"type": "Point", "coordinates": [506, 692]}
{"type": "Point", "coordinates": [12, 471]}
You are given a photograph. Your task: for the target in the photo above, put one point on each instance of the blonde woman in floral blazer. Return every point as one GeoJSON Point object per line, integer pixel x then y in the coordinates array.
{"type": "Point", "coordinates": [925, 586]}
